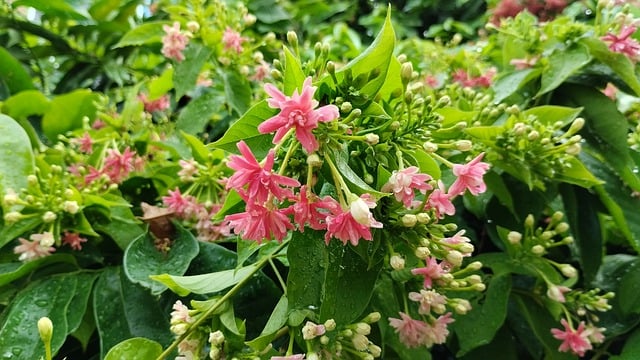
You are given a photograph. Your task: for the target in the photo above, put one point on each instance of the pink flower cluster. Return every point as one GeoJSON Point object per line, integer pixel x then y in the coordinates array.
{"type": "Point", "coordinates": [404, 183]}
{"type": "Point", "coordinates": [160, 104]}
{"type": "Point", "coordinates": [543, 9]}
{"type": "Point", "coordinates": [579, 340]}
{"type": "Point", "coordinates": [174, 41]}
{"type": "Point", "coordinates": [116, 166]}
{"type": "Point", "coordinates": [188, 208]}
{"type": "Point", "coordinates": [465, 79]}
{"type": "Point", "coordinates": [624, 43]}
{"type": "Point", "coordinates": [232, 40]}
{"type": "Point", "coordinates": [264, 191]}
{"type": "Point", "coordinates": [414, 333]}
{"type": "Point", "coordinates": [297, 112]}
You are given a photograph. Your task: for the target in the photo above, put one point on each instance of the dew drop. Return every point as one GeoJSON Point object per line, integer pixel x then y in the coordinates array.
{"type": "Point", "coordinates": [42, 303]}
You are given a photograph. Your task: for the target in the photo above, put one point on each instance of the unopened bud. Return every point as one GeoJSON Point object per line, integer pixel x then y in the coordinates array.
{"type": "Point", "coordinates": [363, 328]}
{"type": "Point", "coordinates": [568, 271]}
{"type": "Point", "coordinates": [476, 265]}
{"type": "Point", "coordinates": [514, 237]}
{"type": "Point", "coordinates": [402, 58]}
{"type": "Point", "coordinates": [537, 249]}
{"type": "Point", "coordinates": [533, 135]}
{"type": "Point", "coordinates": [479, 287]}
{"type": "Point", "coordinates": [372, 317]}
{"type": "Point", "coordinates": [576, 125]}
{"type": "Point", "coordinates": [464, 145]}
{"type": "Point", "coordinates": [529, 220]}
{"type": "Point", "coordinates": [49, 216]}
{"type": "Point", "coordinates": [562, 227]}
{"type": "Point", "coordinates": [406, 72]}
{"type": "Point", "coordinates": [568, 240]}
{"type": "Point", "coordinates": [314, 160]}
{"type": "Point", "coordinates": [371, 139]}
{"type": "Point", "coordinates": [454, 257]}
{"type": "Point", "coordinates": [360, 342]}
{"type": "Point", "coordinates": [474, 279]}
{"type": "Point", "coordinates": [573, 149]}
{"type": "Point", "coordinates": [422, 252]}
{"type": "Point", "coordinates": [70, 206]}
{"type": "Point", "coordinates": [331, 67]}
{"type": "Point", "coordinates": [12, 217]}
{"type": "Point", "coordinates": [346, 107]}
{"type": "Point", "coordinates": [45, 328]}
{"type": "Point", "coordinates": [216, 338]}
{"type": "Point", "coordinates": [430, 147]}
{"type": "Point", "coordinates": [330, 325]}
{"type": "Point", "coordinates": [397, 262]}
{"type": "Point", "coordinates": [193, 26]}
{"type": "Point", "coordinates": [375, 350]}
{"type": "Point", "coordinates": [292, 38]}
{"type": "Point", "coordinates": [423, 218]}
{"type": "Point", "coordinates": [409, 220]}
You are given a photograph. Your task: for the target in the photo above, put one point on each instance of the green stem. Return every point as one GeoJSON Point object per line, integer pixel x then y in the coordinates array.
{"type": "Point", "coordinates": [205, 316]}
{"type": "Point", "coordinates": [341, 186]}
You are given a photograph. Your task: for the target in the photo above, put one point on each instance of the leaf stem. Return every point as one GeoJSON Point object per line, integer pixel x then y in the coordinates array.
{"type": "Point", "coordinates": [201, 319]}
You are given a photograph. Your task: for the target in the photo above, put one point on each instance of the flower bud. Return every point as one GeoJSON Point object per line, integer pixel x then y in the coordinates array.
{"type": "Point", "coordinates": [528, 222]}
{"type": "Point", "coordinates": [363, 328]}
{"type": "Point", "coordinates": [12, 217]}
{"type": "Point", "coordinates": [514, 237]}
{"type": "Point", "coordinates": [576, 125]}
{"type": "Point", "coordinates": [562, 227]}
{"type": "Point", "coordinates": [292, 38]}
{"type": "Point", "coordinates": [474, 279]}
{"type": "Point", "coordinates": [533, 135]}
{"type": "Point", "coordinates": [216, 338]}
{"type": "Point", "coordinates": [49, 216]}
{"type": "Point", "coordinates": [409, 220]}
{"type": "Point", "coordinates": [193, 26]}
{"type": "Point", "coordinates": [479, 287]}
{"type": "Point", "coordinates": [360, 342]}
{"type": "Point", "coordinates": [568, 271]}
{"type": "Point", "coordinates": [454, 257]}
{"type": "Point", "coordinates": [397, 262]}
{"type": "Point", "coordinates": [346, 107]}
{"type": "Point", "coordinates": [464, 145]}
{"type": "Point", "coordinates": [374, 350]}
{"type": "Point", "coordinates": [331, 67]}
{"type": "Point", "coordinates": [406, 72]}
{"type": "Point", "coordinates": [371, 139]}
{"type": "Point", "coordinates": [249, 19]}
{"type": "Point", "coordinates": [476, 265]}
{"type": "Point", "coordinates": [537, 250]}
{"type": "Point", "coordinates": [11, 198]}
{"type": "Point", "coordinates": [70, 206]}
{"type": "Point", "coordinates": [422, 252]}
{"type": "Point", "coordinates": [330, 325]}
{"type": "Point", "coordinates": [314, 160]}
{"type": "Point", "coordinates": [45, 328]}
{"type": "Point", "coordinates": [430, 147]}
{"type": "Point", "coordinates": [372, 317]}
{"type": "Point", "coordinates": [423, 218]}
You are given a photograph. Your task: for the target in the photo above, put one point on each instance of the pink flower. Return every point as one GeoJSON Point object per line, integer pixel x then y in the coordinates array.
{"type": "Point", "coordinates": [174, 42]}
{"type": "Point", "coordinates": [297, 112]}
{"type": "Point", "coordinates": [556, 293]}
{"type": "Point", "coordinates": [260, 179]}
{"type": "Point", "coordinates": [31, 250]}
{"type": "Point", "coordinates": [594, 334]}
{"type": "Point", "coordinates": [260, 223]}
{"type": "Point", "coordinates": [439, 330]}
{"type": "Point", "coordinates": [308, 209]}
{"type": "Point", "coordinates": [188, 169]}
{"type": "Point", "coordinates": [575, 340]}
{"type": "Point", "coordinates": [410, 331]}
{"type": "Point", "coordinates": [160, 104]}
{"type": "Point", "coordinates": [429, 299]}
{"type": "Point", "coordinates": [403, 183]}
{"type": "Point", "coordinates": [232, 40]}
{"type": "Point", "coordinates": [261, 71]}
{"type": "Point", "coordinates": [623, 43]}
{"type": "Point", "coordinates": [117, 166]}
{"type": "Point", "coordinates": [85, 143]}
{"type": "Point", "coordinates": [178, 203]}
{"type": "Point", "coordinates": [431, 271]}
{"type": "Point", "coordinates": [610, 91]}
{"type": "Point", "coordinates": [466, 80]}
{"type": "Point", "coordinates": [74, 240]}
{"type": "Point", "coordinates": [525, 63]}
{"type": "Point", "coordinates": [440, 201]}
{"type": "Point", "coordinates": [353, 225]}
{"type": "Point", "coordinates": [458, 239]}
{"type": "Point", "coordinates": [180, 313]}
{"type": "Point", "coordinates": [93, 175]}
{"type": "Point", "coordinates": [469, 177]}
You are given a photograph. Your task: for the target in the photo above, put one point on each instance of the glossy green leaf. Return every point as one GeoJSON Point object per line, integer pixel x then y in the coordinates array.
{"type": "Point", "coordinates": [510, 83]}
{"type": "Point", "coordinates": [359, 186]}
{"type": "Point", "coordinates": [161, 85]}
{"type": "Point", "coordinates": [135, 349]}
{"type": "Point", "coordinates": [54, 8]}
{"type": "Point", "coordinates": [454, 115]}
{"type": "Point", "coordinates": [246, 128]}
{"type": "Point", "coordinates": [619, 63]}
{"type": "Point", "coordinates": [486, 134]}
{"type": "Point", "coordinates": [187, 71]}
{"type": "Point", "coordinates": [194, 118]}
{"type": "Point", "coordinates": [631, 349]}
{"type": "Point", "coordinates": [122, 226]}
{"type": "Point", "coordinates": [293, 74]}
{"type": "Point", "coordinates": [66, 112]}
{"type": "Point", "coordinates": [276, 321]}
{"type": "Point", "coordinates": [108, 309]}
{"type": "Point", "coordinates": [319, 274]}
{"type": "Point", "coordinates": [10, 271]}
{"type": "Point", "coordinates": [237, 91]}
{"type": "Point", "coordinates": [147, 33]}
{"type": "Point", "coordinates": [62, 298]}
{"type": "Point", "coordinates": [576, 173]}
{"type": "Point", "coordinates": [563, 64]}
{"type": "Point", "coordinates": [10, 232]}
{"type": "Point", "coordinates": [16, 157]}
{"type": "Point", "coordinates": [551, 114]}
{"type": "Point", "coordinates": [142, 259]}
{"type": "Point", "coordinates": [427, 164]}
{"type": "Point", "coordinates": [198, 149]}
{"type": "Point", "coordinates": [627, 293]}
{"type": "Point", "coordinates": [496, 185]}
{"type": "Point", "coordinates": [491, 312]}
{"type": "Point", "coordinates": [205, 283]}
{"type": "Point", "coordinates": [375, 58]}
{"type": "Point", "coordinates": [13, 73]}
{"type": "Point", "coordinates": [26, 103]}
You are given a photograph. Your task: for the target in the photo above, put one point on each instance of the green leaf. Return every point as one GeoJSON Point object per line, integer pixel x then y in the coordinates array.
{"type": "Point", "coordinates": [16, 157]}
{"type": "Point", "coordinates": [454, 115]}
{"type": "Point", "coordinates": [486, 134]}
{"type": "Point", "coordinates": [186, 74]}
{"type": "Point", "coordinates": [62, 298]}
{"type": "Point", "coordinates": [13, 74]}
{"type": "Point", "coordinates": [135, 349]}
{"type": "Point", "coordinates": [427, 164]}
{"type": "Point", "coordinates": [237, 90]}
{"type": "Point", "coordinates": [161, 85]}
{"type": "Point", "coordinates": [376, 57]}
{"type": "Point", "coordinates": [122, 227]}
{"type": "Point", "coordinates": [496, 185]}
{"type": "Point", "coordinates": [26, 103]}
{"type": "Point", "coordinates": [605, 126]}
{"type": "Point", "coordinates": [551, 114]}
{"type": "Point", "coordinates": [9, 233]}
{"type": "Point", "coordinates": [149, 32]}
{"type": "Point", "coordinates": [66, 112]}
{"type": "Point", "coordinates": [563, 64]}
{"type": "Point", "coordinates": [198, 149]}
{"type": "Point", "coordinates": [319, 274]}
{"type": "Point", "coordinates": [246, 128]}
{"type": "Point", "coordinates": [576, 173]}
{"type": "Point", "coordinates": [619, 63]}
{"type": "Point", "coordinates": [491, 312]}
{"type": "Point", "coordinates": [205, 283]}
{"type": "Point", "coordinates": [627, 293]}
{"type": "Point", "coordinates": [142, 259]}
{"type": "Point", "coordinates": [109, 310]}
{"type": "Point", "coordinates": [341, 159]}
{"type": "Point", "coordinates": [10, 271]}
{"type": "Point", "coordinates": [194, 118]}
{"type": "Point", "coordinates": [293, 74]}
{"type": "Point", "coordinates": [54, 8]}
{"type": "Point", "coordinates": [276, 321]}
{"type": "Point", "coordinates": [509, 83]}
